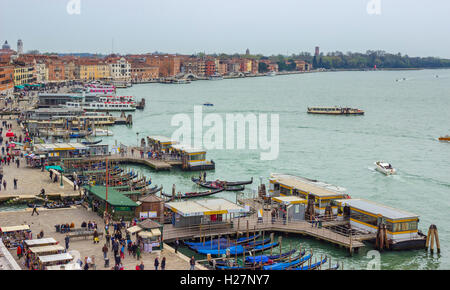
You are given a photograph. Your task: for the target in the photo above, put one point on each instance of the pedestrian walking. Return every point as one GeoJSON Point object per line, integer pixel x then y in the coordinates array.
{"type": "Point", "coordinates": [34, 210]}
{"type": "Point", "coordinates": [105, 251]}
{"type": "Point", "coordinates": [15, 183]}
{"type": "Point", "coordinates": [192, 263]}
{"type": "Point", "coordinates": [67, 240]}
{"type": "Point", "coordinates": [156, 263]}
{"type": "Point", "coordinates": [177, 244]}
{"type": "Point", "coordinates": [163, 263]}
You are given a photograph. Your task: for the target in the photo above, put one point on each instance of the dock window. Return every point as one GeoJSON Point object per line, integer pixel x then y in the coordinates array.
{"type": "Point", "coordinates": [406, 226]}
{"type": "Point", "coordinates": [363, 218]}
{"type": "Point", "coordinates": [197, 157]}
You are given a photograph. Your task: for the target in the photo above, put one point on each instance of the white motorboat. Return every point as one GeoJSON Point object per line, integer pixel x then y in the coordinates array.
{"type": "Point", "coordinates": [102, 132]}
{"type": "Point", "coordinates": [385, 168]}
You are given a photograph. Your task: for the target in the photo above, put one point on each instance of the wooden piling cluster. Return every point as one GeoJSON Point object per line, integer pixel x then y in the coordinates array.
{"type": "Point", "coordinates": [433, 237]}
{"type": "Point", "coordinates": [382, 240]}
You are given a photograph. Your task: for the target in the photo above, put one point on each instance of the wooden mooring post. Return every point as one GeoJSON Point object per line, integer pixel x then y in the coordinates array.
{"type": "Point", "coordinates": [432, 237]}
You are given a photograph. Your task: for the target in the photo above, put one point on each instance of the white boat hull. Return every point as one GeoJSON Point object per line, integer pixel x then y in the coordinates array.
{"type": "Point", "coordinates": [385, 171]}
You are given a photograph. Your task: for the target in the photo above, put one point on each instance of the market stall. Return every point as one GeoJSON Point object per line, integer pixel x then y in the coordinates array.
{"type": "Point", "coordinates": [40, 242]}
{"type": "Point", "coordinates": [47, 250]}
{"type": "Point", "coordinates": [14, 235]}
{"type": "Point", "coordinates": [151, 234]}
{"type": "Point", "coordinates": [52, 260]}
{"type": "Point", "coordinates": [69, 266]}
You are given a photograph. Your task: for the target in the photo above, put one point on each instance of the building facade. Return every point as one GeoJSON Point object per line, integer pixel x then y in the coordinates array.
{"type": "Point", "coordinates": [120, 69]}
{"type": "Point", "coordinates": [6, 77]}
{"type": "Point", "coordinates": [24, 73]}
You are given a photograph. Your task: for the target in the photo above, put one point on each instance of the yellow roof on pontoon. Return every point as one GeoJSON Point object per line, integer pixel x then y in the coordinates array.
{"type": "Point", "coordinates": [377, 209]}
{"type": "Point", "coordinates": [162, 139]}
{"type": "Point", "coordinates": [188, 149]}
{"type": "Point", "coordinates": [314, 187]}
{"type": "Point", "coordinates": [289, 199]}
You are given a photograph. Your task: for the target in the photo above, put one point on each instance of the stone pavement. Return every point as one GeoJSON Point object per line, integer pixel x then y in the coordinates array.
{"type": "Point", "coordinates": [48, 218]}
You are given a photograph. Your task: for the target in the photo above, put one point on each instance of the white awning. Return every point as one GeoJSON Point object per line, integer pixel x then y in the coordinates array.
{"type": "Point", "coordinates": [145, 234]}
{"type": "Point", "coordinates": [46, 249]}
{"type": "Point", "coordinates": [134, 229]}
{"type": "Point", "coordinates": [55, 258]}
{"type": "Point", "coordinates": [39, 242]}
{"type": "Point", "coordinates": [156, 232]}
{"type": "Point", "coordinates": [15, 228]}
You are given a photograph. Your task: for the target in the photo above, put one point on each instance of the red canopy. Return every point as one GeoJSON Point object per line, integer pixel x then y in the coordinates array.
{"type": "Point", "coordinates": [9, 134]}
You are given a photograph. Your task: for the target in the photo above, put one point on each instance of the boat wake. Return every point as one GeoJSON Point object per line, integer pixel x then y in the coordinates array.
{"type": "Point", "coordinates": [427, 179]}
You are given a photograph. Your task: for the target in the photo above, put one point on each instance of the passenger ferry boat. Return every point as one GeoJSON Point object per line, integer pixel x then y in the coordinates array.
{"type": "Point", "coordinates": [308, 189]}
{"type": "Point", "coordinates": [103, 106]}
{"type": "Point", "coordinates": [113, 98]}
{"type": "Point", "coordinates": [95, 119]}
{"type": "Point", "coordinates": [334, 111]}
{"type": "Point", "coordinates": [367, 216]}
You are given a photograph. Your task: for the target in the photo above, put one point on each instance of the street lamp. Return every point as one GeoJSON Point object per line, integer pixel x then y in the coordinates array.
{"type": "Point", "coordinates": [61, 177]}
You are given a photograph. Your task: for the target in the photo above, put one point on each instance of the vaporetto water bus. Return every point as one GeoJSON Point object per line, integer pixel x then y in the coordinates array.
{"type": "Point", "coordinates": [401, 226]}
{"type": "Point", "coordinates": [320, 192]}
{"type": "Point", "coordinates": [103, 106]}
{"type": "Point", "coordinates": [193, 159]}
{"type": "Point", "coordinates": [334, 111]}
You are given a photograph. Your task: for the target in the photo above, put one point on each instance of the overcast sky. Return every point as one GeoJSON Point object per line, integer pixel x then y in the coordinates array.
{"type": "Point", "coordinates": [414, 27]}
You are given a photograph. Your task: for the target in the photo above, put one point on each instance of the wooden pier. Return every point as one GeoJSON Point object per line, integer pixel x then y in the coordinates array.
{"type": "Point", "coordinates": [156, 164]}
{"type": "Point", "coordinates": [243, 225]}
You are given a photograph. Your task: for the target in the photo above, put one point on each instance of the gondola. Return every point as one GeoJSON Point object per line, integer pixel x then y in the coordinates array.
{"type": "Point", "coordinates": [223, 265]}
{"type": "Point", "coordinates": [227, 244]}
{"type": "Point", "coordinates": [57, 206]}
{"type": "Point", "coordinates": [237, 250]}
{"type": "Point", "coordinates": [195, 194]}
{"type": "Point", "coordinates": [220, 184]}
{"type": "Point", "coordinates": [264, 258]}
{"type": "Point", "coordinates": [91, 142]}
{"type": "Point", "coordinates": [257, 262]}
{"type": "Point", "coordinates": [295, 262]}
{"type": "Point", "coordinates": [312, 266]}
{"type": "Point", "coordinates": [242, 240]}
{"type": "Point", "coordinates": [263, 262]}
{"type": "Point", "coordinates": [154, 190]}
{"type": "Point", "coordinates": [139, 185]}
{"type": "Point", "coordinates": [335, 267]}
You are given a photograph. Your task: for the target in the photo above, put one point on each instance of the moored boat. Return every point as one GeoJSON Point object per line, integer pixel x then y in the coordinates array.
{"type": "Point", "coordinates": [295, 262]}
{"type": "Point", "coordinates": [195, 194]}
{"type": "Point", "coordinates": [228, 186]}
{"type": "Point", "coordinates": [312, 266]}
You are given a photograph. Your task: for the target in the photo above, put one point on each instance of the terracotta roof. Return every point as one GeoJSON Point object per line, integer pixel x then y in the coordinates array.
{"type": "Point", "coordinates": [151, 198]}
{"type": "Point", "coordinates": [149, 224]}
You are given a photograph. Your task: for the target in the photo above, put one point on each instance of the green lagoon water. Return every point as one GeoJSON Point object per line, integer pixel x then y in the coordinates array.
{"type": "Point", "coordinates": [402, 123]}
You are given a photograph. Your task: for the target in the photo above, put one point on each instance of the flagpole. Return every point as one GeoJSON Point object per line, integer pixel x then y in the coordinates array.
{"type": "Point", "coordinates": [107, 181]}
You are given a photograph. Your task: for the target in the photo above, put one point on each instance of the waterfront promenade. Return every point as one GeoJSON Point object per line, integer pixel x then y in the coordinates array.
{"type": "Point", "coordinates": [47, 219]}
{"type": "Point", "coordinates": [30, 180]}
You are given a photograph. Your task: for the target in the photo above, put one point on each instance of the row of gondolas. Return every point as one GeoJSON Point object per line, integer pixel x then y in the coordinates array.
{"type": "Point", "coordinates": [242, 254]}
